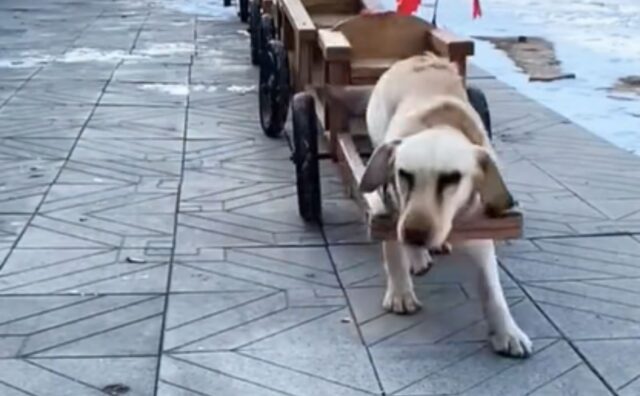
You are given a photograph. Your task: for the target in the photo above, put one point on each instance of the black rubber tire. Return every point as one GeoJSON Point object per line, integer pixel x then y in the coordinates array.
{"type": "Point", "coordinates": [266, 33]}
{"type": "Point", "coordinates": [305, 157]}
{"type": "Point", "coordinates": [243, 13]}
{"type": "Point", "coordinates": [479, 102]}
{"type": "Point", "coordinates": [226, 3]}
{"type": "Point", "coordinates": [254, 30]}
{"type": "Point", "coordinates": [274, 90]}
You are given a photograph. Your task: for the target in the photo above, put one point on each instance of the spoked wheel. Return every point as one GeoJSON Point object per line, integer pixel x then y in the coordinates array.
{"type": "Point", "coordinates": [254, 30]}
{"type": "Point", "coordinates": [274, 91]}
{"type": "Point", "coordinates": [305, 157]}
{"type": "Point", "coordinates": [243, 13]}
{"type": "Point", "coordinates": [265, 33]}
{"type": "Point", "coordinates": [479, 102]}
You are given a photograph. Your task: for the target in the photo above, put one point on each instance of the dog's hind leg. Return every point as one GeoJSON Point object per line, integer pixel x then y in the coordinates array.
{"type": "Point", "coordinates": [506, 336]}
{"type": "Point", "coordinates": [400, 297]}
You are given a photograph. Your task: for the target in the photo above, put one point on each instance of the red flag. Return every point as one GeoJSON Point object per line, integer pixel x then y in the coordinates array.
{"type": "Point", "coordinates": [477, 11]}
{"type": "Point", "coordinates": [407, 7]}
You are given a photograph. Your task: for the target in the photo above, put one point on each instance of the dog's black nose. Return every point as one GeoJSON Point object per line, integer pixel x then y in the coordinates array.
{"type": "Point", "coordinates": [417, 237]}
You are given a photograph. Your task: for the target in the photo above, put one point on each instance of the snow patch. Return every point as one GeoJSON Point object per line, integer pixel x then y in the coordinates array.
{"type": "Point", "coordinates": [178, 89]}
{"type": "Point", "coordinates": [241, 89]}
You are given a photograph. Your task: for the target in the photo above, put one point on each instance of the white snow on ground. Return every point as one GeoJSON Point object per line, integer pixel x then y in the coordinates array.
{"type": "Point", "coordinates": [210, 8]}
{"type": "Point", "coordinates": [598, 40]}
{"type": "Point", "coordinates": [242, 89]}
{"type": "Point", "coordinates": [80, 55]}
{"type": "Point", "coordinates": [178, 89]}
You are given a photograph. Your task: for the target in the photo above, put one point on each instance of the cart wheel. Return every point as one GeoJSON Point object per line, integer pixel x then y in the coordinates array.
{"type": "Point", "coordinates": [305, 157]}
{"type": "Point", "coordinates": [265, 33]}
{"type": "Point", "coordinates": [244, 10]}
{"type": "Point", "coordinates": [226, 3]}
{"type": "Point", "coordinates": [254, 30]}
{"type": "Point", "coordinates": [274, 91]}
{"type": "Point", "coordinates": [479, 102]}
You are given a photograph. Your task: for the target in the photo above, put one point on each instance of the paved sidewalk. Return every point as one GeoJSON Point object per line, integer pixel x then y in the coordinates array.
{"type": "Point", "coordinates": [150, 243]}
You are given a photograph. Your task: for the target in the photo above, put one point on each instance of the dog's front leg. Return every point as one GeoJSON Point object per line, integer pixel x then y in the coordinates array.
{"type": "Point", "coordinates": [400, 296]}
{"type": "Point", "coordinates": [506, 336]}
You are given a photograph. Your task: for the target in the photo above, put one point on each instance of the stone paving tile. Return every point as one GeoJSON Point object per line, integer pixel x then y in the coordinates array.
{"type": "Point", "coordinates": [594, 258]}
{"type": "Point", "coordinates": [85, 271]}
{"type": "Point", "coordinates": [136, 122]}
{"type": "Point", "coordinates": [18, 149]}
{"type": "Point", "coordinates": [59, 92]}
{"type": "Point", "coordinates": [590, 309]}
{"type": "Point", "coordinates": [17, 121]}
{"type": "Point", "coordinates": [611, 358]}
{"type": "Point", "coordinates": [24, 184]}
{"type": "Point", "coordinates": [151, 72]}
{"type": "Point", "coordinates": [48, 326]}
{"type": "Point", "coordinates": [472, 370]}
{"type": "Point", "coordinates": [230, 269]}
{"type": "Point", "coordinates": [72, 377]}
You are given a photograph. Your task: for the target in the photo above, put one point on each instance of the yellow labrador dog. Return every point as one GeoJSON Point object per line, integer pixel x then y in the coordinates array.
{"type": "Point", "coordinates": [433, 162]}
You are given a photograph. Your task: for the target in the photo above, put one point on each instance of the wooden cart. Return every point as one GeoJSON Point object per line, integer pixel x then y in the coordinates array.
{"type": "Point", "coordinates": [283, 43]}
{"type": "Point", "coordinates": [356, 52]}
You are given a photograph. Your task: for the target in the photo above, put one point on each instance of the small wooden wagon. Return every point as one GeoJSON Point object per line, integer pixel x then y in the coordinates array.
{"type": "Point", "coordinates": [284, 34]}
{"type": "Point", "coordinates": [356, 52]}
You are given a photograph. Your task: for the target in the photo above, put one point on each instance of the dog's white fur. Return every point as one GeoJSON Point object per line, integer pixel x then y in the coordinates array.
{"type": "Point", "coordinates": [420, 122]}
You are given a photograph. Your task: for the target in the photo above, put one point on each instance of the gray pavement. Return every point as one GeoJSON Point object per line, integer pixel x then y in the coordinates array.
{"type": "Point", "coordinates": [150, 243]}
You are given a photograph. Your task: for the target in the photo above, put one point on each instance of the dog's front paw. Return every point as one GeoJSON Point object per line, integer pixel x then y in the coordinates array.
{"type": "Point", "coordinates": [401, 303]}
{"type": "Point", "coordinates": [444, 249]}
{"type": "Point", "coordinates": [422, 265]}
{"type": "Point", "coordinates": [511, 342]}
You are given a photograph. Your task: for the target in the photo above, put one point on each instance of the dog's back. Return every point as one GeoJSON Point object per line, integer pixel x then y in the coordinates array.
{"type": "Point", "coordinates": [408, 86]}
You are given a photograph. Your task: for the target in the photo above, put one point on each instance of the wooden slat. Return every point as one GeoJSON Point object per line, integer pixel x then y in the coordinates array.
{"type": "Point", "coordinates": [367, 71]}
{"type": "Point", "coordinates": [332, 6]}
{"type": "Point", "coordinates": [334, 45]}
{"type": "Point", "coordinates": [352, 169]}
{"type": "Point", "coordinates": [299, 19]}
{"type": "Point", "coordinates": [508, 226]}
{"type": "Point", "coordinates": [386, 36]}
{"type": "Point", "coordinates": [447, 44]}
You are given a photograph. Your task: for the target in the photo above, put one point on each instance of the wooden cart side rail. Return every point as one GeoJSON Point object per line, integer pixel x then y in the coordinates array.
{"type": "Point", "coordinates": [447, 44]}
{"type": "Point", "coordinates": [457, 49]}
{"type": "Point", "coordinates": [352, 169]}
{"type": "Point", "coordinates": [299, 19]}
{"type": "Point", "coordinates": [334, 46]}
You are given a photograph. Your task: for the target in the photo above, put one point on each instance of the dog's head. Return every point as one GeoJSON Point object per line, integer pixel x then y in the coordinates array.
{"type": "Point", "coordinates": [431, 176]}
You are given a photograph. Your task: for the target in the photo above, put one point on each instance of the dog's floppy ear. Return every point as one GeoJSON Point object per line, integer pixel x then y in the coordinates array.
{"type": "Point", "coordinates": [496, 198]}
{"type": "Point", "coordinates": [378, 166]}
{"type": "Point", "coordinates": [354, 99]}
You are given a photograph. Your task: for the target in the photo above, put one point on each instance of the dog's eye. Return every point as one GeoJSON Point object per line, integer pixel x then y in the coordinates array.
{"type": "Point", "coordinates": [447, 180]}
{"type": "Point", "coordinates": [407, 177]}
